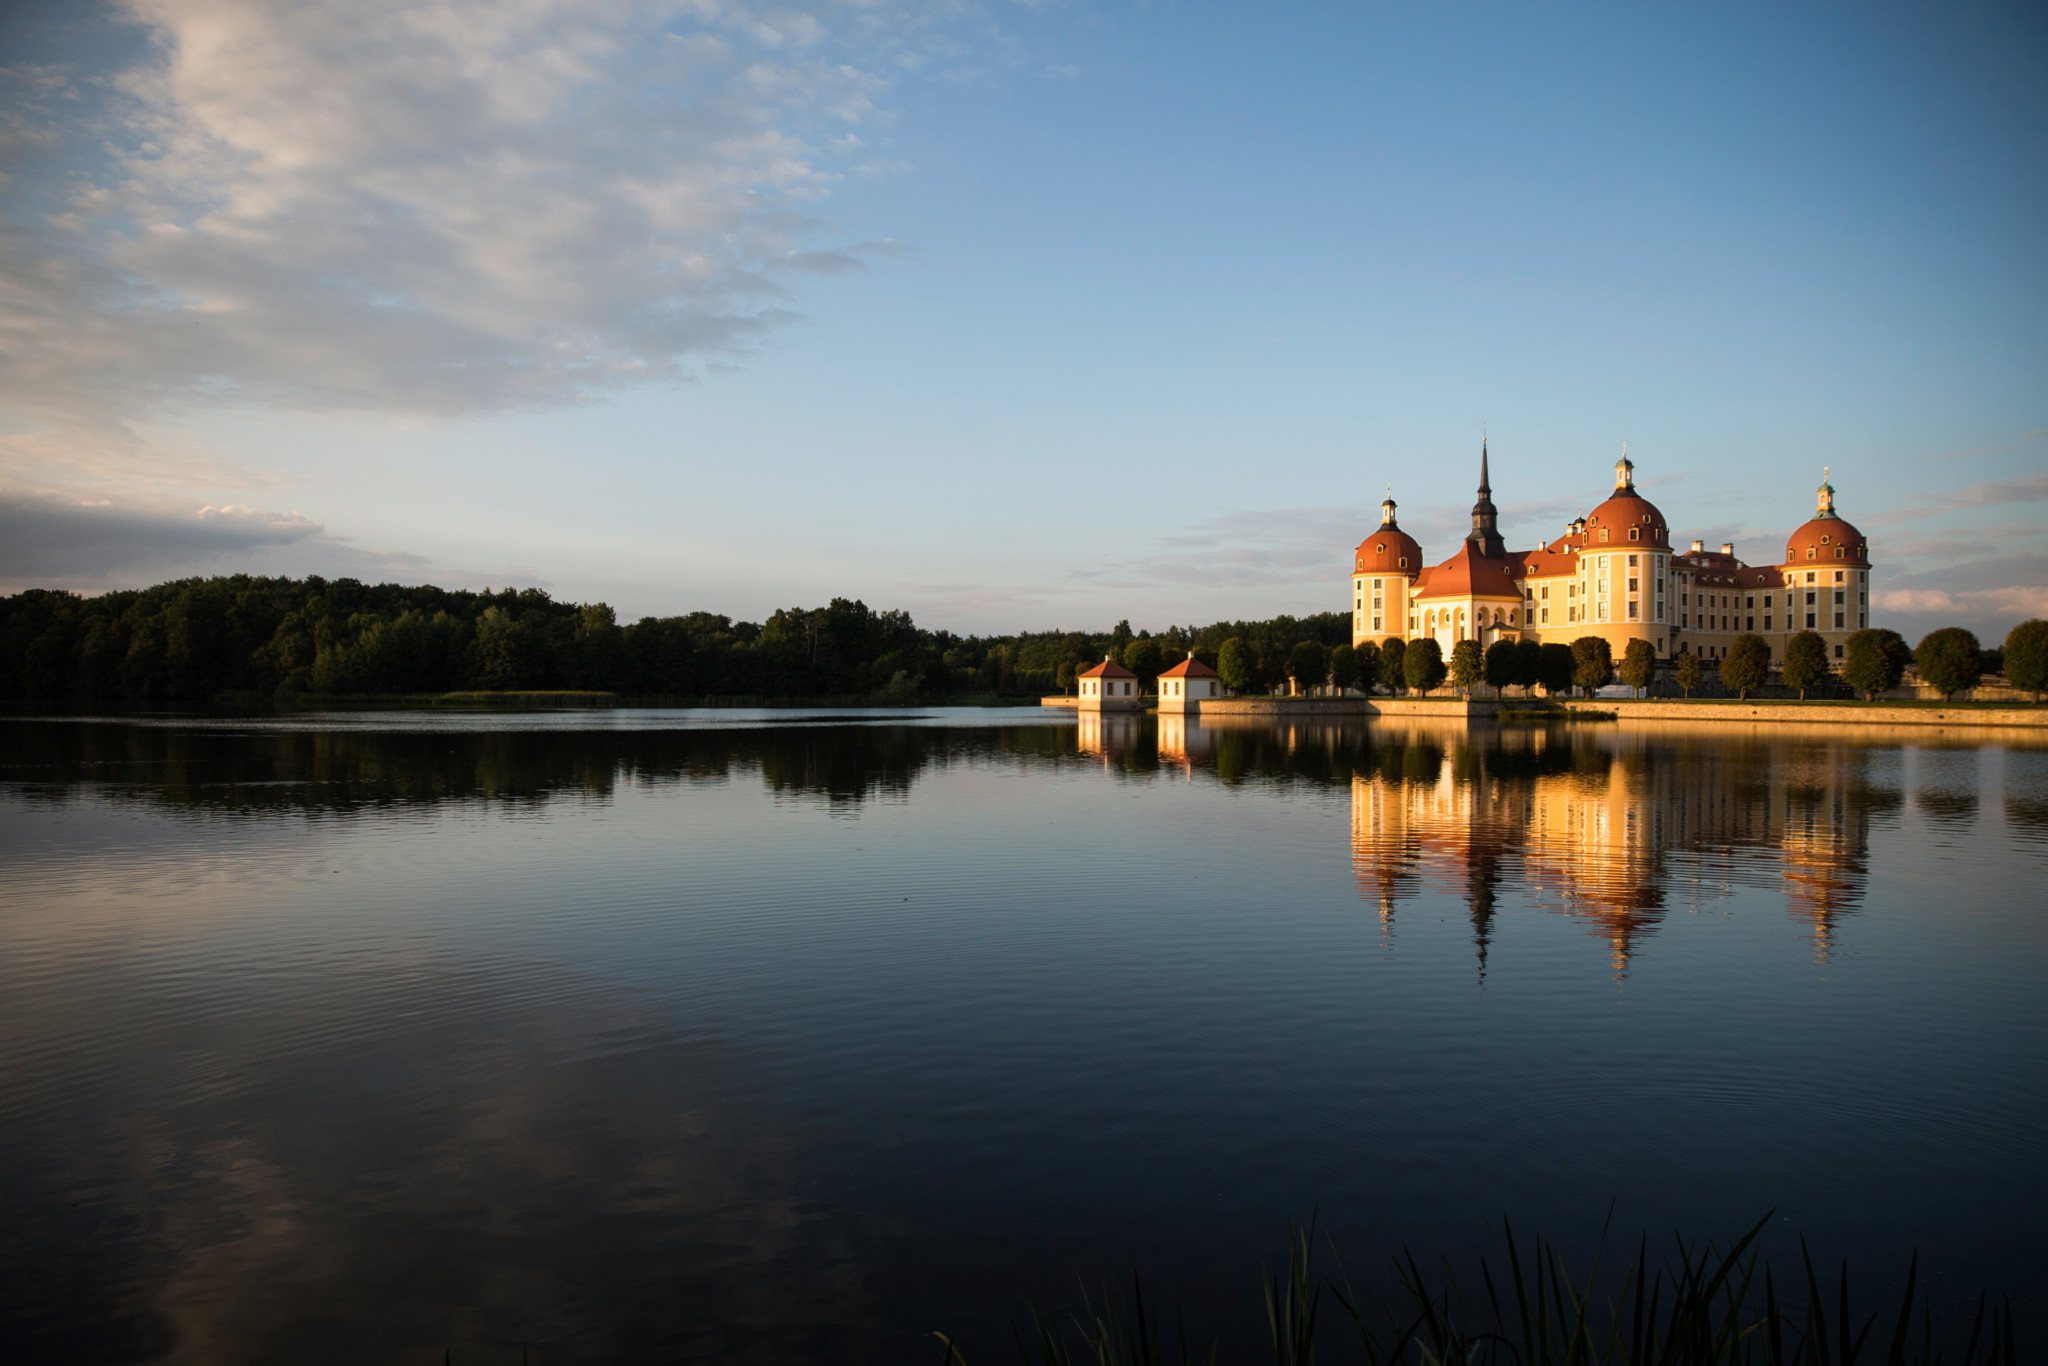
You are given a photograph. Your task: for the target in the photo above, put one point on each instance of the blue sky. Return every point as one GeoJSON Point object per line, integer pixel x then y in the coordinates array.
{"type": "Point", "coordinates": [1018, 316]}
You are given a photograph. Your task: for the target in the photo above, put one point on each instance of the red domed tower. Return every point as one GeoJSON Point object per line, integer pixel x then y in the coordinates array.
{"type": "Point", "coordinates": [1383, 571]}
{"type": "Point", "coordinates": [1627, 518]}
{"type": "Point", "coordinates": [1827, 575]}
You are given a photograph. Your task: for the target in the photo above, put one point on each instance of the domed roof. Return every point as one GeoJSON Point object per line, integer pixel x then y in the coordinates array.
{"type": "Point", "coordinates": [1389, 550]}
{"type": "Point", "coordinates": [1626, 512]}
{"type": "Point", "coordinates": [1827, 536]}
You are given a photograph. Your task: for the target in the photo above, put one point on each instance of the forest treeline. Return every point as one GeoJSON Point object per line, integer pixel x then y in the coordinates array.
{"type": "Point", "coordinates": [196, 640]}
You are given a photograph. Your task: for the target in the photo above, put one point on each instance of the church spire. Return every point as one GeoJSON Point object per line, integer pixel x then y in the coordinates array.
{"type": "Point", "coordinates": [1485, 538]}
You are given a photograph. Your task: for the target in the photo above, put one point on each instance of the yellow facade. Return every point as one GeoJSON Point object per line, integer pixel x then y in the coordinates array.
{"type": "Point", "coordinates": [1615, 575]}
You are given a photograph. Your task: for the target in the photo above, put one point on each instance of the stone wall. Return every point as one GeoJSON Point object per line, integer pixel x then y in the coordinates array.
{"type": "Point", "coordinates": [1818, 713]}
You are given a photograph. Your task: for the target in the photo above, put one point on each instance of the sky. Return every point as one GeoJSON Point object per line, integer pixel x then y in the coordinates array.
{"type": "Point", "coordinates": [1018, 316]}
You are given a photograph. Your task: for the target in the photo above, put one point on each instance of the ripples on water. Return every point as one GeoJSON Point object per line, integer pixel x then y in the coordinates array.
{"type": "Point", "coordinates": [667, 1035]}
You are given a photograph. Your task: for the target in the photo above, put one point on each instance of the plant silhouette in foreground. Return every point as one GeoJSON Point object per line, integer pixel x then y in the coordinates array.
{"type": "Point", "coordinates": [1702, 1306]}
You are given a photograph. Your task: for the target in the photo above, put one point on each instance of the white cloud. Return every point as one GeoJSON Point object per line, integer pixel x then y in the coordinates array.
{"type": "Point", "coordinates": [423, 208]}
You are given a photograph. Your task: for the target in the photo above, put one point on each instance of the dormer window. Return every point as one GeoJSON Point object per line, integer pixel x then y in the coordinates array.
{"type": "Point", "coordinates": [1603, 535]}
{"type": "Point", "coordinates": [1635, 533]}
{"type": "Point", "coordinates": [1404, 561]}
{"type": "Point", "coordinates": [1838, 552]}
{"type": "Point", "coordinates": [1809, 552]}
{"type": "Point", "coordinates": [1380, 549]}
{"type": "Point", "coordinates": [1823, 540]}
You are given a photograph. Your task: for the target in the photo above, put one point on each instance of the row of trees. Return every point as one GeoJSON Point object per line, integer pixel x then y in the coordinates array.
{"type": "Point", "coordinates": [197, 639]}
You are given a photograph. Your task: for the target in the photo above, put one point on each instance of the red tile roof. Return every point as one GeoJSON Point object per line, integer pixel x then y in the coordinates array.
{"type": "Point", "coordinates": [1190, 668]}
{"type": "Point", "coordinates": [1468, 575]}
{"type": "Point", "coordinates": [1108, 668]}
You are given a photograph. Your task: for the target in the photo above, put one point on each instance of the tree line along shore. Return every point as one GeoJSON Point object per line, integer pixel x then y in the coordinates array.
{"type": "Point", "coordinates": [202, 639]}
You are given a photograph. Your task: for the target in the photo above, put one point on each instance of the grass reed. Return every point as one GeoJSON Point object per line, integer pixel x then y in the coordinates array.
{"type": "Point", "coordinates": [1697, 1305]}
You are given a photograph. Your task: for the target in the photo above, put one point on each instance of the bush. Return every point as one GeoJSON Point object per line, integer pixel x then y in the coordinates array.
{"type": "Point", "coordinates": [1876, 661]}
{"type": "Point", "coordinates": [1423, 665]}
{"type": "Point", "coordinates": [2026, 657]}
{"type": "Point", "coordinates": [1638, 665]}
{"type": "Point", "coordinates": [1949, 660]}
{"type": "Point", "coordinates": [1592, 663]}
{"type": "Point", "coordinates": [1748, 664]}
{"type": "Point", "coordinates": [1806, 662]}
{"type": "Point", "coordinates": [1466, 668]}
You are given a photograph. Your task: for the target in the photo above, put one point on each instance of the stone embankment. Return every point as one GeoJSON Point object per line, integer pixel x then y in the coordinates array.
{"type": "Point", "coordinates": [1817, 713]}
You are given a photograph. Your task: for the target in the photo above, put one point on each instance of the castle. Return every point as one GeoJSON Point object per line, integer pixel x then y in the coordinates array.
{"type": "Point", "coordinates": [1612, 574]}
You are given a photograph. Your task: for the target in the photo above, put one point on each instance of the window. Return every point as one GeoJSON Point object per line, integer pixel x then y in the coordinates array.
{"type": "Point", "coordinates": [1823, 540]}
{"type": "Point", "coordinates": [1375, 623]}
{"type": "Point", "coordinates": [1546, 592]}
{"type": "Point", "coordinates": [1838, 621]}
{"type": "Point", "coordinates": [1635, 533]}
{"type": "Point", "coordinates": [1380, 549]}
{"type": "Point", "coordinates": [1809, 576]}
{"type": "Point", "coordinates": [1809, 552]}
{"type": "Point", "coordinates": [1632, 609]}
{"type": "Point", "coordinates": [1404, 561]}
{"type": "Point", "coordinates": [1603, 535]}
{"type": "Point", "coordinates": [1809, 597]}
{"type": "Point", "coordinates": [1751, 626]}
{"type": "Point", "coordinates": [1752, 600]}
{"type": "Point", "coordinates": [1546, 616]}
{"type": "Point", "coordinates": [1632, 586]}
{"type": "Point", "coordinates": [1809, 621]}
{"type": "Point", "coordinates": [1838, 652]}
{"type": "Point", "coordinates": [1767, 622]}
{"type": "Point", "coordinates": [1632, 561]}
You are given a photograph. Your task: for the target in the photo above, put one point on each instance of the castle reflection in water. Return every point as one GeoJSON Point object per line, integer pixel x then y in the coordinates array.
{"type": "Point", "coordinates": [1614, 827]}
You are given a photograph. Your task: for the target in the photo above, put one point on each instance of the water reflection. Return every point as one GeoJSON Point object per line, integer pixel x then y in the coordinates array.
{"type": "Point", "coordinates": [1610, 828]}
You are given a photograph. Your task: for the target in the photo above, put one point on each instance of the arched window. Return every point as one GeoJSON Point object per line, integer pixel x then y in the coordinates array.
{"type": "Point", "coordinates": [1809, 552]}
{"type": "Point", "coordinates": [1404, 561]}
{"type": "Point", "coordinates": [1635, 533]}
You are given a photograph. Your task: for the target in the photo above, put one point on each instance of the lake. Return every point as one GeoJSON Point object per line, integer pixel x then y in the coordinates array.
{"type": "Point", "coordinates": [635, 1035]}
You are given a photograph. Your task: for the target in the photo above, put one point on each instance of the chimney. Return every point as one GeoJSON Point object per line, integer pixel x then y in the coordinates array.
{"type": "Point", "coordinates": [1727, 547]}
{"type": "Point", "coordinates": [1699, 547]}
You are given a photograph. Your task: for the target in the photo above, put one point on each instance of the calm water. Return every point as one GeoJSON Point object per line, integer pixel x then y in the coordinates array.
{"type": "Point", "coordinates": [678, 1035]}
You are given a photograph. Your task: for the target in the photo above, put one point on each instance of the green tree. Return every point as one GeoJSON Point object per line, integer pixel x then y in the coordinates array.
{"type": "Point", "coordinates": [1747, 664]}
{"type": "Point", "coordinates": [1467, 668]}
{"type": "Point", "coordinates": [1876, 661]}
{"type": "Point", "coordinates": [1144, 658]}
{"type": "Point", "coordinates": [1343, 667]}
{"type": "Point", "coordinates": [1063, 677]}
{"type": "Point", "coordinates": [1949, 659]}
{"type": "Point", "coordinates": [1367, 667]}
{"type": "Point", "coordinates": [1422, 665]}
{"type": "Point", "coordinates": [1528, 663]}
{"type": "Point", "coordinates": [1638, 665]}
{"type": "Point", "coordinates": [1558, 665]}
{"type": "Point", "coordinates": [1308, 664]}
{"type": "Point", "coordinates": [1503, 664]}
{"type": "Point", "coordinates": [1592, 663]}
{"type": "Point", "coordinates": [1806, 662]}
{"type": "Point", "coordinates": [1394, 664]}
{"type": "Point", "coordinates": [2026, 657]}
{"type": "Point", "coordinates": [1234, 662]}
{"type": "Point", "coordinates": [1688, 672]}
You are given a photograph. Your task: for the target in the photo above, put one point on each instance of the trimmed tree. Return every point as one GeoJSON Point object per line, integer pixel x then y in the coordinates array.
{"type": "Point", "coordinates": [1688, 672]}
{"type": "Point", "coordinates": [1592, 663]}
{"type": "Point", "coordinates": [1308, 664]}
{"type": "Point", "coordinates": [1422, 665]}
{"type": "Point", "coordinates": [1876, 661]}
{"type": "Point", "coordinates": [1638, 665]}
{"type": "Point", "coordinates": [2026, 657]}
{"type": "Point", "coordinates": [1503, 665]}
{"type": "Point", "coordinates": [1343, 666]}
{"type": "Point", "coordinates": [1950, 660]}
{"type": "Point", "coordinates": [1747, 664]}
{"type": "Point", "coordinates": [1558, 663]}
{"type": "Point", "coordinates": [1367, 668]}
{"type": "Point", "coordinates": [1394, 665]}
{"type": "Point", "coordinates": [1466, 666]}
{"type": "Point", "coordinates": [1806, 662]}
{"type": "Point", "coordinates": [1528, 663]}
{"type": "Point", "coordinates": [1235, 665]}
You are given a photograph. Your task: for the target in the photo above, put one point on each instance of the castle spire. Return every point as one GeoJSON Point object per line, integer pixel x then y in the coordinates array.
{"type": "Point", "coordinates": [1825, 500]}
{"type": "Point", "coordinates": [1485, 538]}
{"type": "Point", "coordinates": [1624, 470]}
